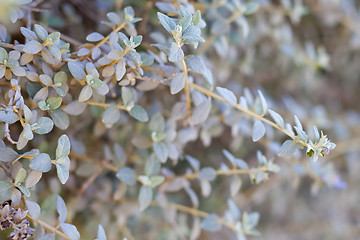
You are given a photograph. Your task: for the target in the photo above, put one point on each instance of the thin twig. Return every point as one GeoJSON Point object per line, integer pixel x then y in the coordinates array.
{"type": "Point", "coordinates": [250, 113]}
{"type": "Point", "coordinates": [85, 186]}
{"type": "Point", "coordinates": [105, 105]}
{"type": "Point", "coordinates": [87, 159]}
{"type": "Point", "coordinates": [190, 210]}
{"type": "Point", "coordinates": [187, 92]}
{"type": "Point", "coordinates": [223, 173]}
{"type": "Point", "coordinates": [104, 40]}
{"type": "Point", "coordinates": [65, 37]}
{"type": "Point", "coordinates": [51, 228]}
{"type": "Point", "coordinates": [7, 45]}
{"type": "Point", "coordinates": [198, 213]}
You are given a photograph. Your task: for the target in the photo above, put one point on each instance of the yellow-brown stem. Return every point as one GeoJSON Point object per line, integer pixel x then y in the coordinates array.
{"type": "Point", "coordinates": [51, 228]}
{"type": "Point", "coordinates": [224, 172]}
{"type": "Point", "coordinates": [187, 91]}
{"type": "Point", "coordinates": [104, 105]}
{"type": "Point", "coordinates": [249, 113]}
{"type": "Point", "coordinates": [104, 40]}
{"type": "Point", "coordinates": [87, 159]}
{"type": "Point", "coordinates": [189, 210]}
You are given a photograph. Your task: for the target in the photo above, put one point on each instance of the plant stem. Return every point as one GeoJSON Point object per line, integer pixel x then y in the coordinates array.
{"type": "Point", "coordinates": [104, 40]}
{"type": "Point", "coordinates": [51, 228]}
{"type": "Point", "coordinates": [223, 172]}
{"type": "Point", "coordinates": [250, 113]}
{"type": "Point", "coordinates": [105, 105]}
{"type": "Point", "coordinates": [85, 186]}
{"type": "Point", "coordinates": [7, 45]}
{"type": "Point", "coordinates": [87, 159]}
{"type": "Point", "coordinates": [190, 210]}
{"type": "Point", "coordinates": [207, 44]}
{"type": "Point", "coordinates": [121, 26]}
{"type": "Point", "coordinates": [187, 92]}
{"type": "Point", "coordinates": [64, 37]}
{"type": "Point", "coordinates": [213, 36]}
{"type": "Point", "coordinates": [196, 212]}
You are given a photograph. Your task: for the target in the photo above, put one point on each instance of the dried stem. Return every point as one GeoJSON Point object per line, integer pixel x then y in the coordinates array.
{"type": "Point", "coordinates": [51, 228]}
{"type": "Point", "coordinates": [190, 210]}
{"type": "Point", "coordinates": [84, 186]}
{"type": "Point", "coordinates": [105, 105]}
{"type": "Point", "coordinates": [187, 92]}
{"type": "Point", "coordinates": [207, 44]}
{"type": "Point", "coordinates": [87, 159]}
{"type": "Point", "coordinates": [227, 172]}
{"type": "Point", "coordinates": [104, 40]}
{"type": "Point", "coordinates": [213, 36]}
{"type": "Point", "coordinates": [198, 213]}
{"type": "Point", "coordinates": [64, 37]}
{"type": "Point", "coordinates": [7, 134]}
{"type": "Point", "coordinates": [250, 113]}
{"type": "Point", "coordinates": [7, 45]}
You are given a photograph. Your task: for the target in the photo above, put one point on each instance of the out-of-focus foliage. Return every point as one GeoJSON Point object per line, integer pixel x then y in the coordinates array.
{"type": "Point", "coordinates": [179, 119]}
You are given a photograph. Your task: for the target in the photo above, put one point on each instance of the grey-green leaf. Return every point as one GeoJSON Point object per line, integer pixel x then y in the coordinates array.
{"type": "Point", "coordinates": [61, 209]}
{"type": "Point", "coordinates": [277, 118]}
{"type": "Point", "coordinates": [263, 102]}
{"type": "Point", "coordinates": [32, 47]}
{"type": "Point", "coordinates": [60, 118]}
{"type": "Point", "coordinates": [139, 113]}
{"type": "Point", "coordinates": [175, 53]}
{"type": "Point", "coordinates": [228, 95]}
{"type": "Point", "coordinates": [94, 37]}
{"type": "Point", "coordinates": [207, 173]}
{"type": "Point", "coordinates": [120, 155]}
{"type": "Point", "coordinates": [43, 125]}
{"type": "Point", "coordinates": [75, 108]}
{"type": "Point", "coordinates": [145, 197]}
{"type": "Point", "coordinates": [258, 130]}
{"type": "Point", "coordinates": [157, 123]}
{"type": "Point", "coordinates": [185, 21]}
{"type": "Point", "coordinates": [211, 223]}
{"type": "Point", "coordinates": [60, 77]}
{"type": "Point", "coordinates": [41, 32]}
{"type": "Point", "coordinates": [24, 190]}
{"type": "Point", "coordinates": [196, 64]}
{"type": "Point", "coordinates": [54, 102]}
{"type": "Point", "coordinates": [177, 83]}
{"type": "Point", "coordinates": [70, 231]}
{"type": "Point", "coordinates": [156, 181]}
{"type": "Point", "coordinates": [41, 163]}
{"type": "Point", "coordinates": [201, 112]}
{"type": "Point", "coordinates": [127, 175]}
{"type": "Point", "coordinates": [8, 116]}
{"type": "Point", "coordinates": [33, 208]}
{"type": "Point", "coordinates": [161, 151]}
{"type": "Point", "coordinates": [111, 115]}
{"type": "Point", "coordinates": [5, 190]}
{"type": "Point", "coordinates": [85, 93]}
{"type": "Point", "coordinates": [62, 171]}
{"type": "Point", "coordinates": [167, 22]}
{"type": "Point", "coordinates": [101, 233]}
{"type": "Point", "coordinates": [287, 148]}
{"type": "Point", "coordinates": [76, 70]}
{"type": "Point", "coordinates": [20, 176]}
{"type": "Point", "coordinates": [126, 96]}
{"type": "Point", "coordinates": [63, 147]}
{"type": "Point", "coordinates": [7, 154]}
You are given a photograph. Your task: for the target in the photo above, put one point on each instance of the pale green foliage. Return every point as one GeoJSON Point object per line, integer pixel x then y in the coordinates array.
{"type": "Point", "coordinates": [146, 116]}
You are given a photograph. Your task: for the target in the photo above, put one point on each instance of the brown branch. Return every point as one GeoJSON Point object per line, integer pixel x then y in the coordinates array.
{"type": "Point", "coordinates": [51, 228]}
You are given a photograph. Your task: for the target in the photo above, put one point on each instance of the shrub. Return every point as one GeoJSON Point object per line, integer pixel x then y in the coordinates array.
{"type": "Point", "coordinates": [158, 119]}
